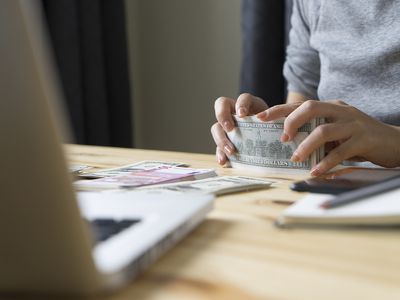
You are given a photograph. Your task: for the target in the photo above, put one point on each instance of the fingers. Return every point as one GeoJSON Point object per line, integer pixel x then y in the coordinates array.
{"type": "Point", "coordinates": [221, 157]}
{"type": "Point", "coordinates": [243, 104]}
{"type": "Point", "coordinates": [320, 136]}
{"type": "Point", "coordinates": [277, 112]}
{"type": "Point", "coordinates": [224, 145]}
{"type": "Point", "coordinates": [224, 108]}
{"type": "Point", "coordinates": [336, 156]}
{"type": "Point", "coordinates": [248, 104]}
{"type": "Point", "coordinates": [307, 111]}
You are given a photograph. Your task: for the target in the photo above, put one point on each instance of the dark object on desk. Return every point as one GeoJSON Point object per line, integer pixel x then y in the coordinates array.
{"type": "Point", "coordinates": [345, 180]}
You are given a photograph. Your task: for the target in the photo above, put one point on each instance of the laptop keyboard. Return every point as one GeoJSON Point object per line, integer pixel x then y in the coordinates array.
{"type": "Point", "coordinates": [103, 229]}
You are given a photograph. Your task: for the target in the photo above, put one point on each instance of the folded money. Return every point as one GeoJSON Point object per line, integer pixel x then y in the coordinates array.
{"type": "Point", "coordinates": [216, 185]}
{"type": "Point", "coordinates": [258, 145]}
{"type": "Point", "coordinates": [164, 174]}
{"type": "Point", "coordinates": [136, 167]}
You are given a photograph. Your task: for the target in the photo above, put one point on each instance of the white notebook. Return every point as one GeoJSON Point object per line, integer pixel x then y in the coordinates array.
{"type": "Point", "coordinates": [381, 209]}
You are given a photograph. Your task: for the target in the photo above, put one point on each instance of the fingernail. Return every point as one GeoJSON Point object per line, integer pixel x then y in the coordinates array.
{"type": "Point", "coordinates": [295, 157]}
{"type": "Point", "coordinates": [228, 149]}
{"type": "Point", "coordinates": [284, 138]}
{"type": "Point", "coordinates": [228, 126]}
{"type": "Point", "coordinates": [315, 171]}
{"type": "Point", "coordinates": [242, 111]}
{"type": "Point", "coordinates": [262, 115]}
{"type": "Point", "coordinates": [220, 159]}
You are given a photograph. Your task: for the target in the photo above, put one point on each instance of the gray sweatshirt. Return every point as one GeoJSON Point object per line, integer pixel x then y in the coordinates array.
{"type": "Point", "coordinates": [347, 50]}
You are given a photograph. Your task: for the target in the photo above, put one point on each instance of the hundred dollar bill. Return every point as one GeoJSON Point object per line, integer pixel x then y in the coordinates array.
{"type": "Point", "coordinates": [217, 185]}
{"type": "Point", "coordinates": [165, 174]}
{"type": "Point", "coordinates": [136, 167]}
{"type": "Point", "coordinates": [259, 147]}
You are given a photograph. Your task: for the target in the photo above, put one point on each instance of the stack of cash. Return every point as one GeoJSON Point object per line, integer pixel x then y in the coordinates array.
{"type": "Point", "coordinates": [259, 147]}
{"type": "Point", "coordinates": [149, 175]}
{"type": "Point", "coordinates": [217, 185]}
{"type": "Point", "coordinates": [164, 174]}
{"type": "Point", "coordinates": [136, 167]}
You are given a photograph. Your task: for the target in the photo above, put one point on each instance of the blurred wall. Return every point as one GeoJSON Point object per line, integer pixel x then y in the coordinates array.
{"type": "Point", "coordinates": [183, 55]}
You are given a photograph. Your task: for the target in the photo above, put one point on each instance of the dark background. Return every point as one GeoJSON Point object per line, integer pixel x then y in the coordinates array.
{"type": "Point", "coordinates": [89, 39]}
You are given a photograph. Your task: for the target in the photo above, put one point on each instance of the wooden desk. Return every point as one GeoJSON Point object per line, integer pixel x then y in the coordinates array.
{"type": "Point", "coordinates": [237, 253]}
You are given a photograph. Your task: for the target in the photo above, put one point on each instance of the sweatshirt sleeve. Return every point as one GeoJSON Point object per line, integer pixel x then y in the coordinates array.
{"type": "Point", "coordinates": [302, 65]}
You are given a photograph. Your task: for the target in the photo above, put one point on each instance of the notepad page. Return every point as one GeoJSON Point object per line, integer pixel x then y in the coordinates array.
{"type": "Point", "coordinates": [386, 204]}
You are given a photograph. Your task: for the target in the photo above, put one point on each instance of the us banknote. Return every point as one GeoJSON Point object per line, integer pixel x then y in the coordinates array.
{"type": "Point", "coordinates": [136, 167]}
{"type": "Point", "coordinates": [259, 147]}
{"type": "Point", "coordinates": [163, 174]}
{"type": "Point", "coordinates": [216, 185]}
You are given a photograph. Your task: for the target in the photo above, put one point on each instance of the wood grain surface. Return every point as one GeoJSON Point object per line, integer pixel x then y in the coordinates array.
{"type": "Point", "coordinates": [237, 252]}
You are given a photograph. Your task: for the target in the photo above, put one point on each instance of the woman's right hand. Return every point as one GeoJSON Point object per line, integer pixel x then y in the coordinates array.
{"type": "Point", "coordinates": [245, 105]}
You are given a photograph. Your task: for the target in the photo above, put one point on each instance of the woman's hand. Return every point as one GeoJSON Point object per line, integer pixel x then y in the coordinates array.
{"type": "Point", "coordinates": [354, 133]}
{"type": "Point", "coordinates": [245, 105]}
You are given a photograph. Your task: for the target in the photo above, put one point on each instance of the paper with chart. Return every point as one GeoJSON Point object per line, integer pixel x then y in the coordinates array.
{"type": "Point", "coordinates": [259, 147]}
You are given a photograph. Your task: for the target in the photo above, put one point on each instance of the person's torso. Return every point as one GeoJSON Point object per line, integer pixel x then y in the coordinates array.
{"type": "Point", "coordinates": [359, 48]}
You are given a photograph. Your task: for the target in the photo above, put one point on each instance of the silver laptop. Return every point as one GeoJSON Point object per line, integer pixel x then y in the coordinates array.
{"type": "Point", "coordinates": [51, 240]}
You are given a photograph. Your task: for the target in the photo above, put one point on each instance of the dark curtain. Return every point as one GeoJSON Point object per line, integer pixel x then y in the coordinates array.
{"type": "Point", "coordinates": [265, 25]}
{"type": "Point", "coordinates": [89, 40]}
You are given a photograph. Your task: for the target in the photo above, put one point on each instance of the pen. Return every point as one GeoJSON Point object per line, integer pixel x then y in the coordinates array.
{"type": "Point", "coordinates": [361, 193]}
